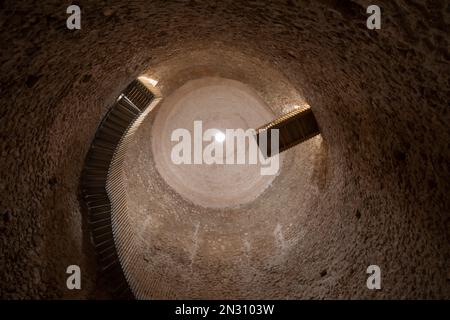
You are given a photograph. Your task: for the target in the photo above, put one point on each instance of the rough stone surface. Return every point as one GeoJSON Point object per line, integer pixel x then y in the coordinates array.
{"type": "Point", "coordinates": [376, 194]}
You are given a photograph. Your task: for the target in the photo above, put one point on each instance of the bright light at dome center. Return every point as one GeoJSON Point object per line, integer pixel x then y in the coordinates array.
{"type": "Point", "coordinates": [219, 136]}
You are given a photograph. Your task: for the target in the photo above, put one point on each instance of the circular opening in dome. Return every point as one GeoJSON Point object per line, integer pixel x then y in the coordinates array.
{"type": "Point", "coordinates": [199, 116]}
{"type": "Point", "coordinates": [219, 137]}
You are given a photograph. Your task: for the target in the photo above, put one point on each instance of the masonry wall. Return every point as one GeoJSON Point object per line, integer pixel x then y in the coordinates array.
{"type": "Point", "coordinates": [380, 98]}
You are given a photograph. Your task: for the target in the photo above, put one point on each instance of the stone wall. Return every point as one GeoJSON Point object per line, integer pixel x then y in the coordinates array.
{"type": "Point", "coordinates": [380, 187]}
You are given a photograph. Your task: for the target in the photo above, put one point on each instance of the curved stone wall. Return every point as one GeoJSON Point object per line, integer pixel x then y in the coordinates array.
{"type": "Point", "coordinates": [372, 189]}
